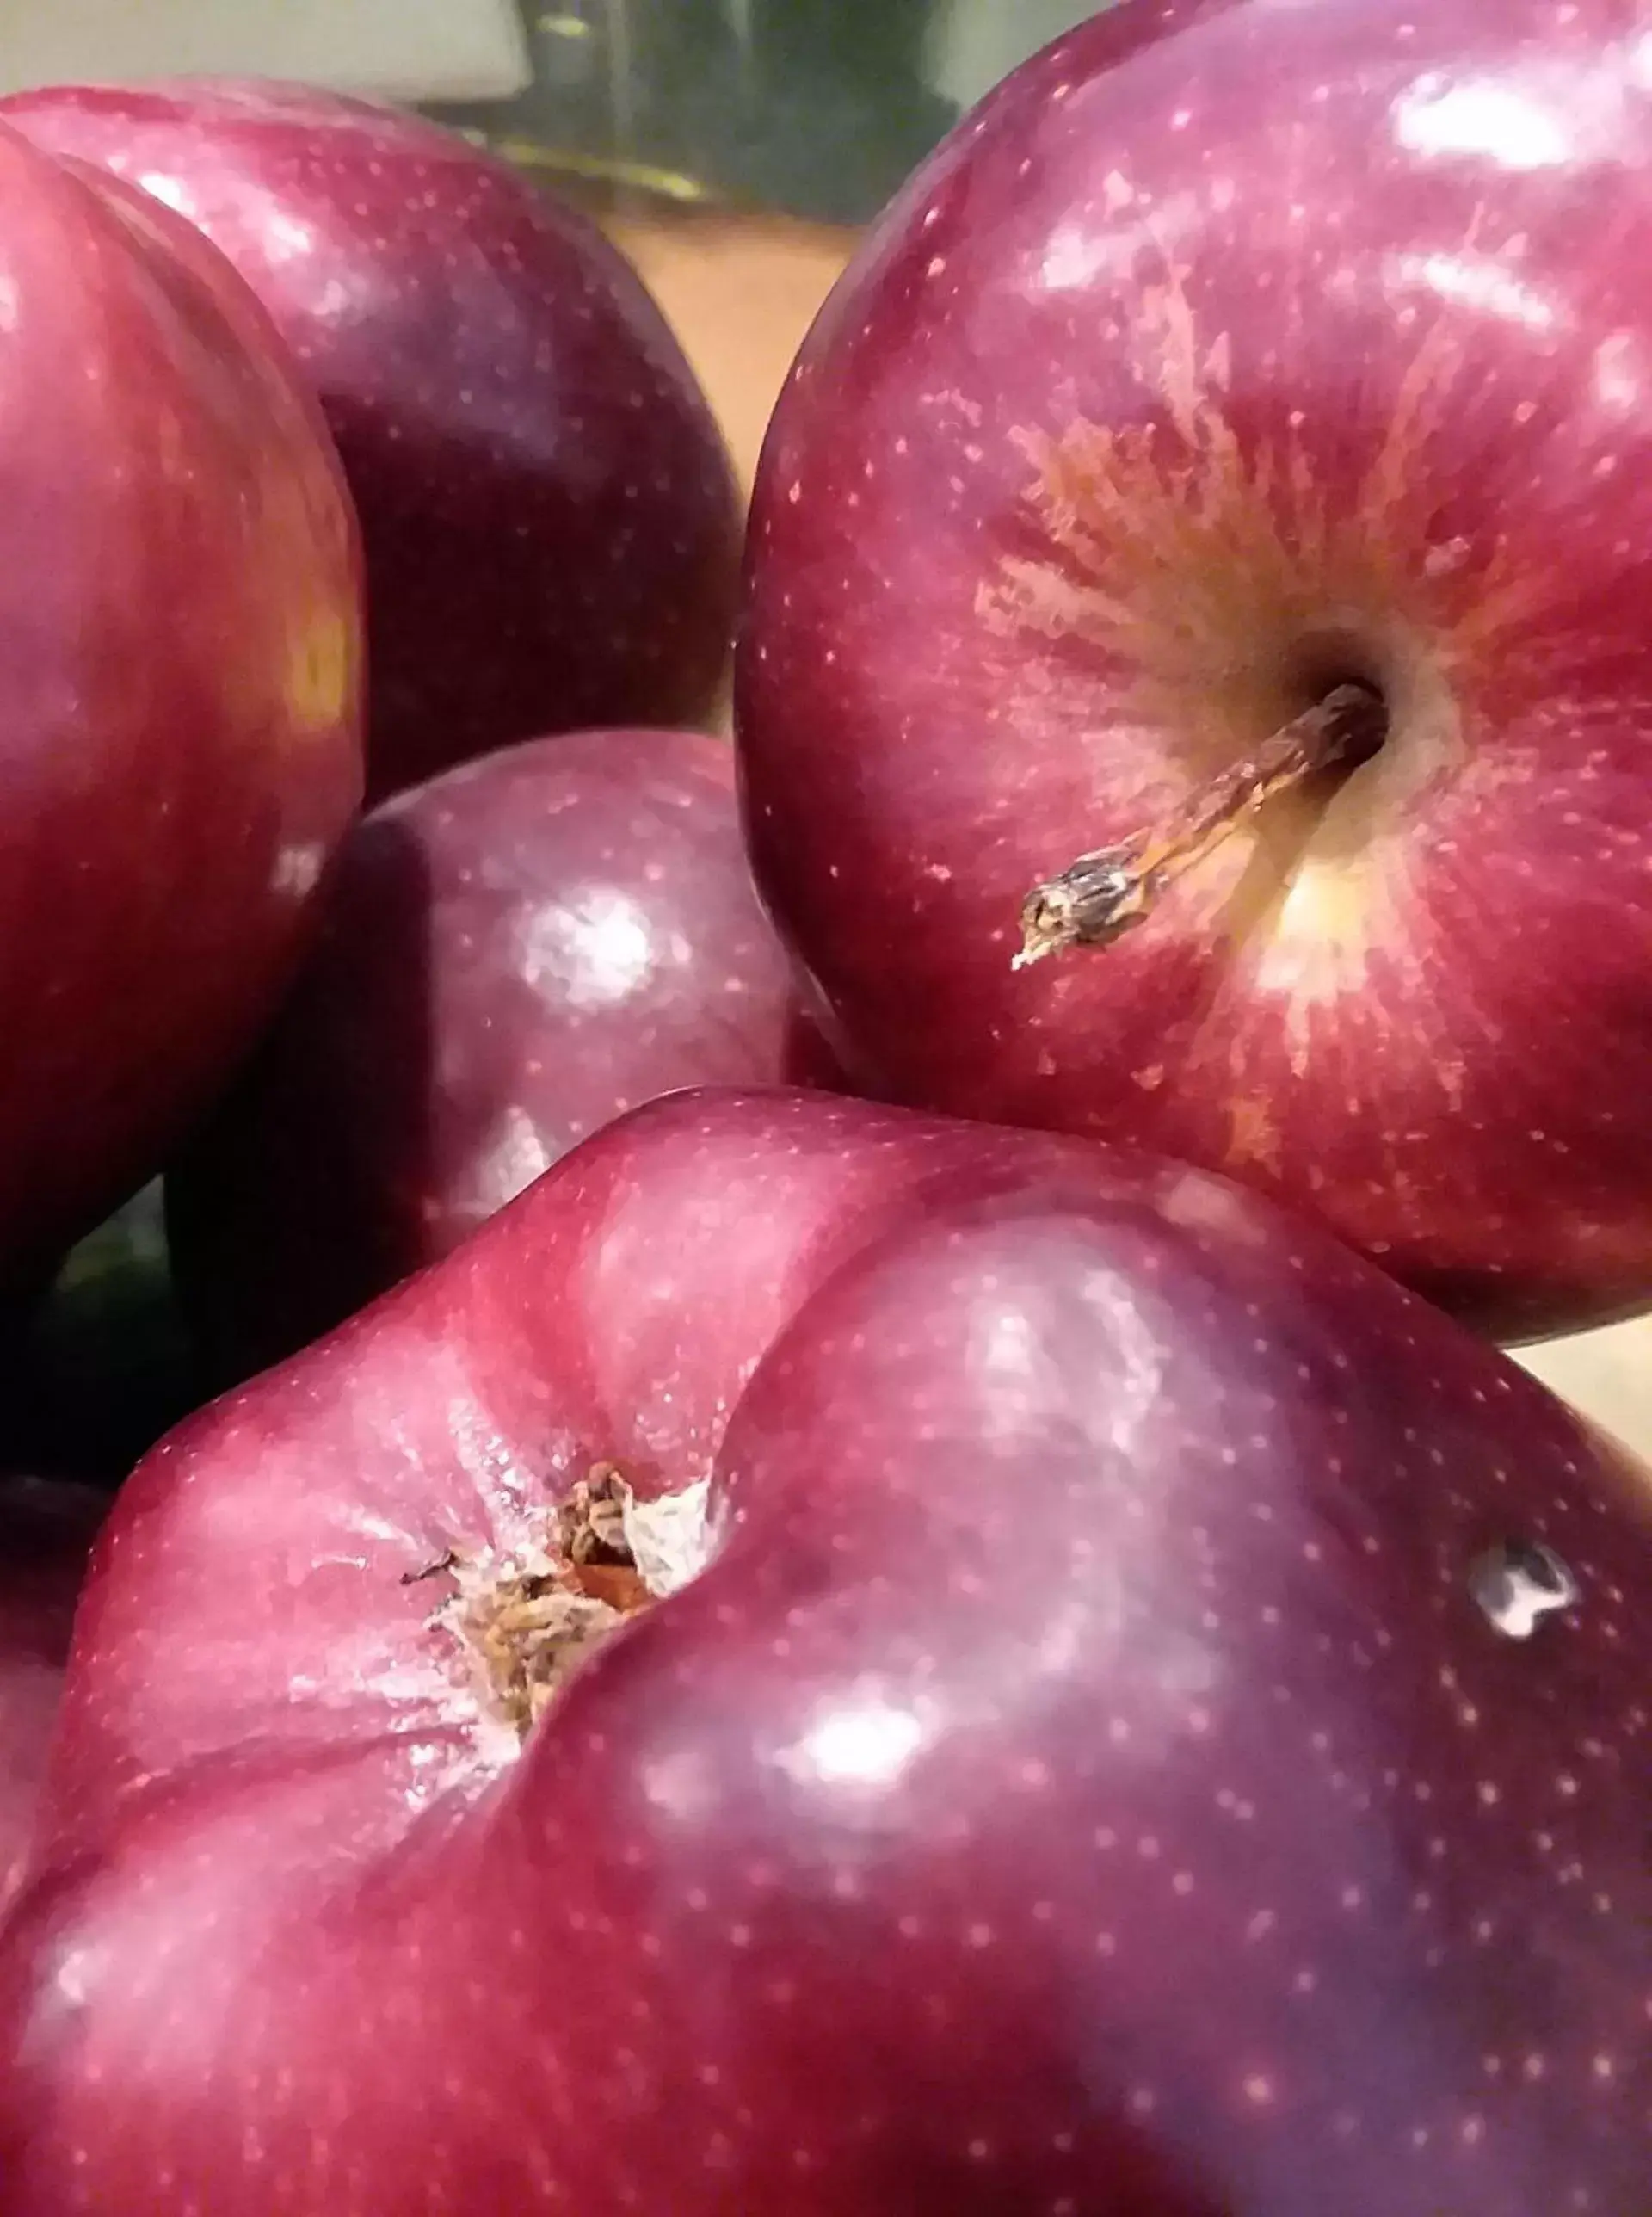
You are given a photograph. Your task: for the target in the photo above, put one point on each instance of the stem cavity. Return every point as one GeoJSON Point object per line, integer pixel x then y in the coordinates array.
{"type": "Point", "coordinates": [1104, 893]}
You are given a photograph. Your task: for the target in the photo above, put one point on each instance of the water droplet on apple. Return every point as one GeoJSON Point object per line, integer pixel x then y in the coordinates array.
{"type": "Point", "coordinates": [1518, 1584]}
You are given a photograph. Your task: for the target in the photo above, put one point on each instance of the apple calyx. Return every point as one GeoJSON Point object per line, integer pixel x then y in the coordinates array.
{"type": "Point", "coordinates": [523, 1620]}
{"type": "Point", "coordinates": [1103, 892]}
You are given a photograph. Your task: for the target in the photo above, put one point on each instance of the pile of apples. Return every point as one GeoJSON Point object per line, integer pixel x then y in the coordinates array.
{"type": "Point", "coordinates": [865, 1547]}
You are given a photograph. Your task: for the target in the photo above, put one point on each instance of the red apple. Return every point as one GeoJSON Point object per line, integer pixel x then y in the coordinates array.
{"type": "Point", "coordinates": [46, 1532]}
{"type": "Point", "coordinates": [1146, 1718]}
{"type": "Point", "coordinates": [550, 520]}
{"type": "Point", "coordinates": [179, 656]}
{"type": "Point", "coordinates": [514, 953]}
{"type": "Point", "coordinates": [1229, 353]}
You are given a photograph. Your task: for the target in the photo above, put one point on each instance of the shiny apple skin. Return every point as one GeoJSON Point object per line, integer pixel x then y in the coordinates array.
{"type": "Point", "coordinates": [46, 1529]}
{"type": "Point", "coordinates": [550, 520]}
{"type": "Point", "coordinates": [1224, 352]}
{"type": "Point", "coordinates": [1081, 1781]}
{"type": "Point", "coordinates": [514, 954]}
{"type": "Point", "coordinates": [179, 740]}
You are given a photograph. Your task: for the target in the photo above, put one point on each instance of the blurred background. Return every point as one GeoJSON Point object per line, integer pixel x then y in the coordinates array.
{"type": "Point", "coordinates": [815, 107]}
{"type": "Point", "coordinates": [733, 148]}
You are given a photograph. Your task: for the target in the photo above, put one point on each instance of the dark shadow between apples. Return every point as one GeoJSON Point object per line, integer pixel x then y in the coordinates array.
{"type": "Point", "coordinates": [375, 1141]}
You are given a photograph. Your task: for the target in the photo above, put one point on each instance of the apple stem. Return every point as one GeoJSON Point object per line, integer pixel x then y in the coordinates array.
{"type": "Point", "coordinates": [1105, 892]}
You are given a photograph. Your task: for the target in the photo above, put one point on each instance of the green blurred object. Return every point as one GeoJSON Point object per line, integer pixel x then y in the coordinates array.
{"type": "Point", "coordinates": [98, 1370]}
{"type": "Point", "coordinates": [814, 107]}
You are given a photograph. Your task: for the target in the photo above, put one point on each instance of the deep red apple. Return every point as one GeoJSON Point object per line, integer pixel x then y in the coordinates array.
{"type": "Point", "coordinates": [179, 653]}
{"type": "Point", "coordinates": [514, 954]}
{"type": "Point", "coordinates": [1148, 1719]}
{"type": "Point", "coordinates": [1226, 354]}
{"type": "Point", "coordinates": [46, 1532]}
{"type": "Point", "coordinates": [549, 516]}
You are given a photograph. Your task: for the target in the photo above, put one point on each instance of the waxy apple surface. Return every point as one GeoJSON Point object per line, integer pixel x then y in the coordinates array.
{"type": "Point", "coordinates": [514, 954]}
{"type": "Point", "coordinates": [1160, 1730]}
{"type": "Point", "coordinates": [46, 1533]}
{"type": "Point", "coordinates": [550, 521]}
{"type": "Point", "coordinates": [180, 620]}
{"type": "Point", "coordinates": [1228, 352]}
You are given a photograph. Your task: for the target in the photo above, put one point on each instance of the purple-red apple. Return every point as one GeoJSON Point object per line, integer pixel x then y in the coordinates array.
{"type": "Point", "coordinates": [1139, 1717]}
{"type": "Point", "coordinates": [1226, 354]}
{"type": "Point", "coordinates": [180, 745]}
{"type": "Point", "coordinates": [46, 1532]}
{"type": "Point", "coordinates": [514, 954]}
{"type": "Point", "coordinates": [549, 516]}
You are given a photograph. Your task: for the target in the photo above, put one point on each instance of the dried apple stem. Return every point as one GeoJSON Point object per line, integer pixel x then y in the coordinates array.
{"type": "Point", "coordinates": [1105, 892]}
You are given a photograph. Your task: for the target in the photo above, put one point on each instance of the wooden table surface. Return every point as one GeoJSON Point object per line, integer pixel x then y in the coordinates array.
{"type": "Point", "coordinates": [741, 292]}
